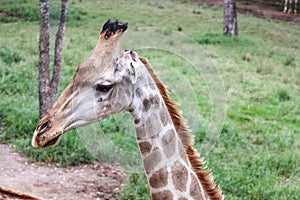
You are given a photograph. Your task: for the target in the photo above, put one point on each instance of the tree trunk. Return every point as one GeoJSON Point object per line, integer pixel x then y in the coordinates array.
{"type": "Point", "coordinates": [44, 87]}
{"type": "Point", "coordinates": [58, 50]}
{"type": "Point", "coordinates": [230, 18]}
{"type": "Point", "coordinates": [48, 88]}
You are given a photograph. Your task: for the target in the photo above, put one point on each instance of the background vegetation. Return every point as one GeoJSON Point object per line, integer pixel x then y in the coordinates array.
{"type": "Point", "coordinates": [257, 154]}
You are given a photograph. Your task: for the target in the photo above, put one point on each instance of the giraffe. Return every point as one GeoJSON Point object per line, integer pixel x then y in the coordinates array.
{"type": "Point", "coordinates": [290, 10]}
{"type": "Point", "coordinates": [112, 80]}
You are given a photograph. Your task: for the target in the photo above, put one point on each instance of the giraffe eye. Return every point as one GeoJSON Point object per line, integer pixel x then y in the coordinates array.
{"type": "Point", "coordinates": [103, 88]}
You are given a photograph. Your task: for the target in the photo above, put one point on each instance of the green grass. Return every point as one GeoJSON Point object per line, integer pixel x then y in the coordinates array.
{"type": "Point", "coordinates": [29, 10]}
{"type": "Point", "coordinates": [257, 154]}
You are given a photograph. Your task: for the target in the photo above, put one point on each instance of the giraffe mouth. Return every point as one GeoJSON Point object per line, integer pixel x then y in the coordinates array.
{"type": "Point", "coordinates": [52, 142]}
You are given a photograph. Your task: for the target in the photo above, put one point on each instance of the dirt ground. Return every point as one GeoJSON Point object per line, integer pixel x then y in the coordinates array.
{"type": "Point", "coordinates": [261, 8]}
{"type": "Point", "coordinates": [97, 181]}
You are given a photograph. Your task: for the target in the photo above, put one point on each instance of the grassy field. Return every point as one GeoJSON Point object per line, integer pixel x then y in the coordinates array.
{"type": "Point", "coordinates": [257, 154]}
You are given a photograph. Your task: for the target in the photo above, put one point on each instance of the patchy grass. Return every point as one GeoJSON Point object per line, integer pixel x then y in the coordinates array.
{"type": "Point", "coordinates": [27, 10]}
{"type": "Point", "coordinates": [256, 156]}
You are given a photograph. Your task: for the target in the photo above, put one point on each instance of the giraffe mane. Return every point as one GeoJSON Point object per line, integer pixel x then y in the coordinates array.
{"type": "Point", "coordinates": [204, 176]}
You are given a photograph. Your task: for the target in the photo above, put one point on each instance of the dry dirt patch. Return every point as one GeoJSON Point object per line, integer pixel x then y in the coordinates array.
{"type": "Point", "coordinates": [96, 181]}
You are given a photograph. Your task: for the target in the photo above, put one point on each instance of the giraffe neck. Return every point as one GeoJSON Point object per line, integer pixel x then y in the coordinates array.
{"type": "Point", "coordinates": [167, 168]}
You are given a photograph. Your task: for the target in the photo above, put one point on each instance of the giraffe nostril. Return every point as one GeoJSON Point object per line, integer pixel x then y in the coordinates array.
{"type": "Point", "coordinates": [44, 127]}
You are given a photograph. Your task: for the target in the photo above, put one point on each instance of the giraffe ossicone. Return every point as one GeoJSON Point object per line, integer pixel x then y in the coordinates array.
{"type": "Point", "coordinates": [112, 80]}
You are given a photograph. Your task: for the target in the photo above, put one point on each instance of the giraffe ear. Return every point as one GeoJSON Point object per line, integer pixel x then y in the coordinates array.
{"type": "Point", "coordinates": [126, 70]}
{"type": "Point", "coordinates": [132, 70]}
{"type": "Point", "coordinates": [134, 67]}
{"type": "Point", "coordinates": [127, 67]}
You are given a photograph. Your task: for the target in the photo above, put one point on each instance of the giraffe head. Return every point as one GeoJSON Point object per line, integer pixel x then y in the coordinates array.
{"type": "Point", "coordinates": [101, 86]}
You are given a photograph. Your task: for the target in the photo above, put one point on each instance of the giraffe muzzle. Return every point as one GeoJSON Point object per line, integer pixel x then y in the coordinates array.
{"type": "Point", "coordinates": [44, 136]}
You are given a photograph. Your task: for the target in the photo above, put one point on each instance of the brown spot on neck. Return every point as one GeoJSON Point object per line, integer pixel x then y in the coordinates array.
{"type": "Point", "coordinates": [159, 179]}
{"type": "Point", "coordinates": [151, 161]}
{"type": "Point", "coordinates": [146, 105]}
{"type": "Point", "coordinates": [179, 176]}
{"type": "Point", "coordinates": [145, 147]}
{"type": "Point", "coordinates": [195, 191]}
{"type": "Point", "coordinates": [164, 195]}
